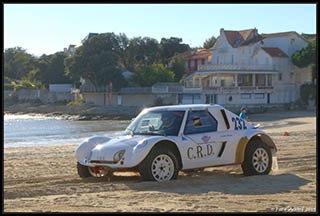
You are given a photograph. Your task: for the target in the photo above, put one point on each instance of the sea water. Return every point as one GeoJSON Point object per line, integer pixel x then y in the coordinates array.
{"type": "Point", "coordinates": [39, 130]}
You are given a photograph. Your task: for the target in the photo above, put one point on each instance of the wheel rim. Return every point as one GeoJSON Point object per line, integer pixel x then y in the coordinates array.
{"type": "Point", "coordinates": [260, 160]}
{"type": "Point", "coordinates": [162, 168]}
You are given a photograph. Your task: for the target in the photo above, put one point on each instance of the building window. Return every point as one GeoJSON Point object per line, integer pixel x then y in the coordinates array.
{"type": "Point", "coordinates": [261, 79]}
{"type": "Point", "coordinates": [196, 83]}
{"type": "Point", "coordinates": [245, 96]}
{"type": "Point", "coordinates": [210, 99]}
{"type": "Point", "coordinates": [217, 59]}
{"type": "Point", "coordinates": [292, 41]}
{"type": "Point", "coordinates": [232, 59]}
{"type": "Point", "coordinates": [189, 84]}
{"type": "Point", "coordinates": [245, 80]}
{"type": "Point", "coordinates": [222, 82]}
{"type": "Point", "coordinates": [280, 76]}
{"type": "Point", "coordinates": [207, 82]}
{"type": "Point", "coordinates": [269, 79]}
{"type": "Point", "coordinates": [259, 96]}
{"type": "Point", "coordinates": [227, 80]}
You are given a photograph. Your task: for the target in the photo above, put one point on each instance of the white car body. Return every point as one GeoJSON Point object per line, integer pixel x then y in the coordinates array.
{"type": "Point", "coordinates": [225, 146]}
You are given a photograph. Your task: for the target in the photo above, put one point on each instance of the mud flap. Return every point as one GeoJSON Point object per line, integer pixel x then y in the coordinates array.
{"type": "Point", "coordinates": [275, 166]}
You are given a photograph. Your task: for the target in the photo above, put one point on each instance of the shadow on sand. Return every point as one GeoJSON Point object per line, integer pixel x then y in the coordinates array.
{"type": "Point", "coordinates": [212, 181]}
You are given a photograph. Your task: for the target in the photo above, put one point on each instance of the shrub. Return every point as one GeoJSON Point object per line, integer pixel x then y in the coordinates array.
{"type": "Point", "coordinates": [78, 101]}
{"type": "Point", "coordinates": [61, 102]}
{"type": "Point", "coordinates": [308, 91]}
{"type": "Point", "coordinates": [8, 87]}
{"type": "Point", "coordinates": [25, 85]}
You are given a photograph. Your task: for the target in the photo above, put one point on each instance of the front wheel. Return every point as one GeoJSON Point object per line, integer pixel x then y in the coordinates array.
{"type": "Point", "coordinates": [83, 171]}
{"type": "Point", "coordinates": [160, 165]}
{"type": "Point", "coordinates": [86, 171]}
{"type": "Point", "coordinates": [258, 159]}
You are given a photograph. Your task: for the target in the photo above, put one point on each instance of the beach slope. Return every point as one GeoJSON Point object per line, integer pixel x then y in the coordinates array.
{"type": "Point", "coordinates": [44, 179]}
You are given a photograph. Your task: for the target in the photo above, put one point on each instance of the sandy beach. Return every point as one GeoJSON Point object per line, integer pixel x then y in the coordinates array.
{"type": "Point", "coordinates": [45, 179]}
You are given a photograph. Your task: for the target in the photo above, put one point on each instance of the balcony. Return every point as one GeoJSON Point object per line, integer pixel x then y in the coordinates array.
{"type": "Point", "coordinates": [192, 90]}
{"type": "Point", "coordinates": [234, 89]}
{"type": "Point", "coordinates": [235, 67]}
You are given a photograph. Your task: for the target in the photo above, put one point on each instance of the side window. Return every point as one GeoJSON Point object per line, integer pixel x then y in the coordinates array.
{"type": "Point", "coordinates": [200, 122]}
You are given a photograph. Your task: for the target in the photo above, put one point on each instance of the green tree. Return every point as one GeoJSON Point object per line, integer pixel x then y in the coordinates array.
{"type": "Point", "coordinates": [50, 69]}
{"type": "Point", "coordinates": [98, 60]}
{"type": "Point", "coordinates": [178, 66]}
{"type": "Point", "coordinates": [142, 52]}
{"type": "Point", "coordinates": [209, 42]}
{"type": "Point", "coordinates": [308, 91]}
{"type": "Point", "coordinates": [18, 63]}
{"type": "Point", "coordinates": [170, 47]}
{"type": "Point", "coordinates": [306, 56]}
{"type": "Point", "coordinates": [153, 74]}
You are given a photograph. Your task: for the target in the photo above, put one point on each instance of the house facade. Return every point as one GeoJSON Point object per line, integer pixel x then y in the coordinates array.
{"type": "Point", "coordinates": [247, 68]}
{"type": "Point", "coordinates": [70, 50]}
{"type": "Point", "coordinates": [195, 59]}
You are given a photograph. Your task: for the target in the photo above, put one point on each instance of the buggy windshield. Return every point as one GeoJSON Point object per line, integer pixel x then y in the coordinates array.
{"type": "Point", "coordinates": [164, 123]}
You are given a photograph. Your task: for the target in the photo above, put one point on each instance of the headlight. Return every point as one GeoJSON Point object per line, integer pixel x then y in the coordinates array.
{"type": "Point", "coordinates": [117, 156]}
{"type": "Point", "coordinates": [143, 143]}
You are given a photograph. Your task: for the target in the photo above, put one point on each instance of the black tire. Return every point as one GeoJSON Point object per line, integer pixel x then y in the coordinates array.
{"type": "Point", "coordinates": [145, 167]}
{"type": "Point", "coordinates": [248, 163]}
{"type": "Point", "coordinates": [83, 171]}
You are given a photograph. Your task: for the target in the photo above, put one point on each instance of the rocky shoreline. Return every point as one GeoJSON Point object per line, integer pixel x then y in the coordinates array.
{"type": "Point", "coordinates": [73, 112]}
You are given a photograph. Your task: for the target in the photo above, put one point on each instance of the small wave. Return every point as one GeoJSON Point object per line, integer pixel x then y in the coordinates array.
{"type": "Point", "coordinates": [27, 116]}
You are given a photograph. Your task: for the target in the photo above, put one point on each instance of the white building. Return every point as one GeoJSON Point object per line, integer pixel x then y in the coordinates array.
{"type": "Point", "coordinates": [248, 68]}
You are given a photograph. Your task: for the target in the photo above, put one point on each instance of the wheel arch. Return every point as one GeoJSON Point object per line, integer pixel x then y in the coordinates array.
{"type": "Point", "coordinates": [172, 146]}
{"type": "Point", "coordinates": [245, 141]}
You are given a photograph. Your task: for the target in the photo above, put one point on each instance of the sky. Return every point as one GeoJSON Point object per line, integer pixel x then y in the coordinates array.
{"type": "Point", "coordinates": [48, 28]}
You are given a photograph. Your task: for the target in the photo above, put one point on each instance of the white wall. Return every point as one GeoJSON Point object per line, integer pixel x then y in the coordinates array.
{"type": "Point", "coordinates": [284, 43]}
{"type": "Point", "coordinates": [60, 87]}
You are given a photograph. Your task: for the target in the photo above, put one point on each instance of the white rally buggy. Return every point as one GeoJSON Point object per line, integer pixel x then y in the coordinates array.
{"type": "Point", "coordinates": [163, 140]}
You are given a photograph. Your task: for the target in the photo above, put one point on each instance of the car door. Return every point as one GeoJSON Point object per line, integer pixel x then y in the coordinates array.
{"type": "Point", "coordinates": [204, 144]}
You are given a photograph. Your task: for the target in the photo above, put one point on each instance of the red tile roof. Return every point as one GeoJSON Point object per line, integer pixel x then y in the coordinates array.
{"type": "Point", "coordinates": [252, 41]}
{"type": "Point", "coordinates": [283, 34]}
{"type": "Point", "coordinates": [280, 34]}
{"type": "Point", "coordinates": [308, 36]}
{"type": "Point", "coordinates": [274, 52]}
{"type": "Point", "coordinates": [245, 33]}
{"type": "Point", "coordinates": [232, 37]}
{"type": "Point", "coordinates": [201, 54]}
{"type": "Point", "coordinates": [240, 38]}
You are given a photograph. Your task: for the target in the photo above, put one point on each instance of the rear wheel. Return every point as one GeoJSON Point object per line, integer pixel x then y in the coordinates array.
{"type": "Point", "coordinates": [161, 164]}
{"type": "Point", "coordinates": [258, 159]}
